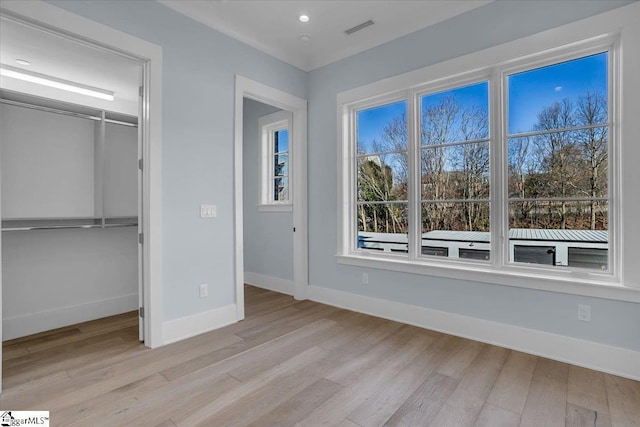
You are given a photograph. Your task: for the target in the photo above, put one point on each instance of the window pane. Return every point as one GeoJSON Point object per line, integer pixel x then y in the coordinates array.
{"type": "Point", "coordinates": [593, 258]}
{"type": "Point", "coordinates": [281, 141]}
{"type": "Point", "coordinates": [479, 254]}
{"type": "Point", "coordinates": [459, 114]}
{"type": "Point", "coordinates": [548, 164]}
{"type": "Point", "coordinates": [281, 189]}
{"type": "Point", "coordinates": [456, 221]}
{"type": "Point", "coordinates": [564, 226]}
{"type": "Point", "coordinates": [382, 177]}
{"type": "Point", "coordinates": [560, 216]}
{"type": "Point", "coordinates": [455, 172]}
{"type": "Point", "coordinates": [568, 94]}
{"type": "Point", "coordinates": [388, 218]}
{"type": "Point", "coordinates": [545, 255]}
{"type": "Point", "coordinates": [383, 242]}
{"type": "Point", "coordinates": [435, 251]}
{"type": "Point", "coordinates": [559, 164]}
{"type": "Point", "coordinates": [382, 129]}
{"type": "Point", "coordinates": [281, 165]}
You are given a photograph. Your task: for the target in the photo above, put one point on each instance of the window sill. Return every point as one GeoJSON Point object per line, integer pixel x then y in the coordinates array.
{"type": "Point", "coordinates": [276, 207]}
{"type": "Point", "coordinates": [486, 274]}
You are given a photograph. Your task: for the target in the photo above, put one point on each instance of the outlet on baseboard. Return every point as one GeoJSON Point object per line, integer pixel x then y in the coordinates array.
{"type": "Point", "coordinates": [204, 290]}
{"type": "Point", "coordinates": [584, 313]}
{"type": "Point", "coordinates": [365, 278]}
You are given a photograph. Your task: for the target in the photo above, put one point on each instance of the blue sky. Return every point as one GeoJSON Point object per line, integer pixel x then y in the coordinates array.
{"type": "Point", "coordinates": [372, 122]}
{"type": "Point", "coordinates": [281, 142]}
{"type": "Point", "coordinates": [529, 92]}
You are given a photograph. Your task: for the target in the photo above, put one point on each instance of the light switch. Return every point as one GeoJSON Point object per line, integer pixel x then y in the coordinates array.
{"type": "Point", "coordinates": [208, 211]}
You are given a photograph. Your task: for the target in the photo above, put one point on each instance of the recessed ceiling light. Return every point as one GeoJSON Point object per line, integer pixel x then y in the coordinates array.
{"type": "Point", "coordinates": [303, 18]}
{"type": "Point", "coordinates": [305, 38]}
{"type": "Point", "coordinates": [23, 62]}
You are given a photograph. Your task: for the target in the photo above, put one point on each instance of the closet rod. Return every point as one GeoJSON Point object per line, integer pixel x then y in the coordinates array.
{"type": "Point", "coordinates": [64, 112]}
{"type": "Point", "coordinates": [64, 227]}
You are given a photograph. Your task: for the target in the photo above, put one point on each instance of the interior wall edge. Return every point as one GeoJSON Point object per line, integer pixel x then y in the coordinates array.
{"type": "Point", "coordinates": [275, 284]}
{"type": "Point", "coordinates": [199, 323]}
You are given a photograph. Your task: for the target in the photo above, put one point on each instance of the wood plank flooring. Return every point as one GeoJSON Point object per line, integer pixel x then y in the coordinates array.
{"type": "Point", "coordinates": [300, 363]}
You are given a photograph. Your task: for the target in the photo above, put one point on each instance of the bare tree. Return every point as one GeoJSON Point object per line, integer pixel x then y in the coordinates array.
{"type": "Point", "coordinates": [520, 169]}
{"type": "Point", "coordinates": [558, 156]}
{"type": "Point", "coordinates": [455, 171]}
{"type": "Point", "coordinates": [591, 110]}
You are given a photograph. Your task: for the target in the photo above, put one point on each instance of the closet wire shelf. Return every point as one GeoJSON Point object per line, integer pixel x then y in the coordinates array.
{"type": "Point", "coordinates": [29, 224]}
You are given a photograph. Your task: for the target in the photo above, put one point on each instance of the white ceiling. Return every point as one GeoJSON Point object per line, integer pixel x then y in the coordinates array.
{"type": "Point", "coordinates": [67, 59]}
{"type": "Point", "coordinates": [272, 26]}
{"type": "Point", "coordinates": [269, 25]}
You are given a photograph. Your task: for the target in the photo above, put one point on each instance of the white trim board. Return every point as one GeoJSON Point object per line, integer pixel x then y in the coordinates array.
{"type": "Point", "coordinates": [190, 326]}
{"type": "Point", "coordinates": [32, 323]}
{"type": "Point", "coordinates": [588, 354]}
{"type": "Point", "coordinates": [246, 88]}
{"type": "Point", "coordinates": [275, 284]}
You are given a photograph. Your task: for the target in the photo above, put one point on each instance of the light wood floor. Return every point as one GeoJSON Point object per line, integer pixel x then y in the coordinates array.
{"type": "Point", "coordinates": [299, 362]}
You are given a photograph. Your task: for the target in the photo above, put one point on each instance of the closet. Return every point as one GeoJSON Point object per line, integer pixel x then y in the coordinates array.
{"type": "Point", "coordinates": [70, 189]}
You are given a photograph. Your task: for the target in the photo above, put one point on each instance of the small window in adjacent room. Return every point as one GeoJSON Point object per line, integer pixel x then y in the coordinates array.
{"type": "Point", "coordinates": [275, 131]}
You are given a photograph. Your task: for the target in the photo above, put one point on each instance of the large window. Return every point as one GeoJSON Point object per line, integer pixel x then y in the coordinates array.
{"type": "Point", "coordinates": [558, 150]}
{"type": "Point", "coordinates": [506, 167]}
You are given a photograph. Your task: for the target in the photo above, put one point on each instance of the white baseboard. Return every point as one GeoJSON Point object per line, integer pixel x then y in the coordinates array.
{"type": "Point", "coordinates": [32, 323]}
{"type": "Point", "coordinates": [276, 284]}
{"type": "Point", "coordinates": [186, 327]}
{"type": "Point", "coordinates": [588, 354]}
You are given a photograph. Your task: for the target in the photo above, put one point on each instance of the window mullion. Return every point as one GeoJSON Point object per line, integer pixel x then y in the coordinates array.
{"type": "Point", "coordinates": [498, 170]}
{"type": "Point", "coordinates": [351, 159]}
{"type": "Point", "coordinates": [272, 172]}
{"type": "Point", "coordinates": [413, 157]}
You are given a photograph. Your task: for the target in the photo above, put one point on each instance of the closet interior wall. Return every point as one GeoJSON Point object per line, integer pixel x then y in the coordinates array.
{"type": "Point", "coordinates": [69, 217]}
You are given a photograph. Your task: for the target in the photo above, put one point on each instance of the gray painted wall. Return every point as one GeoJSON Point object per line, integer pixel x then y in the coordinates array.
{"type": "Point", "coordinates": [613, 322]}
{"type": "Point", "coordinates": [268, 242]}
{"type": "Point", "coordinates": [199, 67]}
{"type": "Point", "coordinates": [54, 278]}
{"type": "Point", "coordinates": [34, 143]}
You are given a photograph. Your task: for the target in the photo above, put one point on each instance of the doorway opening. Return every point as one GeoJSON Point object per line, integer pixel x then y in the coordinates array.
{"type": "Point", "coordinates": [71, 185]}
{"type": "Point", "coordinates": [270, 153]}
{"type": "Point", "coordinates": [89, 207]}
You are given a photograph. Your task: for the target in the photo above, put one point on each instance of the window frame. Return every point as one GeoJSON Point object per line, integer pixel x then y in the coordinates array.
{"type": "Point", "coordinates": [268, 126]}
{"type": "Point", "coordinates": [528, 53]}
{"type": "Point", "coordinates": [611, 45]}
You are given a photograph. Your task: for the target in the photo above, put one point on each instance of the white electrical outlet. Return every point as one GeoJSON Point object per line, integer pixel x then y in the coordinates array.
{"type": "Point", "coordinates": [204, 290]}
{"type": "Point", "coordinates": [365, 278]}
{"type": "Point", "coordinates": [584, 313]}
{"type": "Point", "coordinates": [208, 211]}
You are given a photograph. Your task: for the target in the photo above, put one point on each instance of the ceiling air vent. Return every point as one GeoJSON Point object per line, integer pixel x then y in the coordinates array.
{"type": "Point", "coordinates": [359, 27]}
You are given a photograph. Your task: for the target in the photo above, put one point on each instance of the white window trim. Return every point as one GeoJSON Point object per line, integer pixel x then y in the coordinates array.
{"type": "Point", "coordinates": [618, 28]}
{"type": "Point", "coordinates": [267, 126]}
